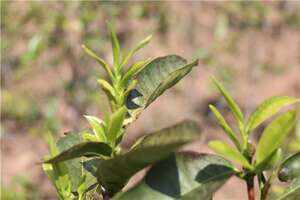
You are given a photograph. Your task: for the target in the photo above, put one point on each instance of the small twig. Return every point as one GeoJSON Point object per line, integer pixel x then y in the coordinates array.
{"type": "Point", "coordinates": [250, 187]}
{"type": "Point", "coordinates": [105, 194]}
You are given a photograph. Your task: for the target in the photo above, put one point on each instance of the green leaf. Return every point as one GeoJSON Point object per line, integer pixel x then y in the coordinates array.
{"type": "Point", "coordinates": [267, 109]}
{"type": "Point", "coordinates": [97, 127]}
{"type": "Point", "coordinates": [150, 149]}
{"type": "Point", "coordinates": [69, 172]}
{"type": "Point", "coordinates": [82, 149]}
{"type": "Point", "coordinates": [292, 192]}
{"type": "Point", "coordinates": [107, 88]}
{"type": "Point", "coordinates": [89, 137]}
{"type": "Point", "coordinates": [231, 103]}
{"type": "Point", "coordinates": [274, 134]}
{"type": "Point", "coordinates": [51, 144]}
{"type": "Point", "coordinates": [290, 168]}
{"type": "Point", "coordinates": [116, 123]}
{"type": "Point", "coordinates": [156, 77]}
{"type": "Point", "coordinates": [229, 153]}
{"type": "Point", "coordinates": [270, 162]}
{"type": "Point", "coordinates": [140, 45]}
{"type": "Point", "coordinates": [115, 45]}
{"type": "Point", "coordinates": [185, 176]}
{"type": "Point", "coordinates": [135, 68]}
{"type": "Point", "coordinates": [99, 60]}
{"type": "Point", "coordinates": [225, 126]}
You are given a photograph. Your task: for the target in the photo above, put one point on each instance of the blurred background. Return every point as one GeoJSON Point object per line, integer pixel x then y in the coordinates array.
{"type": "Point", "coordinates": [48, 83]}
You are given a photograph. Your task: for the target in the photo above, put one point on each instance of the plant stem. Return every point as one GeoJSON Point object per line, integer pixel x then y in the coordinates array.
{"type": "Point", "coordinates": [250, 187]}
{"type": "Point", "coordinates": [105, 196]}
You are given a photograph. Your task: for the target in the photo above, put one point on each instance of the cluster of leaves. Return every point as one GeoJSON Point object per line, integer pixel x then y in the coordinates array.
{"type": "Point", "coordinates": [267, 154]}
{"type": "Point", "coordinates": [92, 162]}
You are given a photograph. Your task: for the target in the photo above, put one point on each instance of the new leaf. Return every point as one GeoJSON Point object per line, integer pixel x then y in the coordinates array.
{"type": "Point", "coordinates": [267, 109]}
{"type": "Point", "coordinates": [274, 134]}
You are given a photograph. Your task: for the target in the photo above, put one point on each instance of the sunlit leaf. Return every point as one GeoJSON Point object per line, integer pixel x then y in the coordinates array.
{"type": "Point", "coordinates": [150, 149]}
{"type": "Point", "coordinates": [115, 124]}
{"type": "Point", "coordinates": [274, 134]}
{"type": "Point", "coordinates": [186, 176]}
{"type": "Point", "coordinates": [107, 87]}
{"type": "Point", "coordinates": [135, 68]}
{"type": "Point", "coordinates": [231, 103]}
{"type": "Point", "coordinates": [290, 168]}
{"type": "Point", "coordinates": [71, 169]}
{"type": "Point", "coordinates": [89, 137]}
{"type": "Point", "coordinates": [267, 109]}
{"type": "Point", "coordinates": [156, 77]}
{"type": "Point", "coordinates": [96, 125]}
{"type": "Point", "coordinates": [98, 59]}
{"type": "Point", "coordinates": [115, 45]}
{"type": "Point", "coordinates": [229, 153]}
{"type": "Point", "coordinates": [225, 126]}
{"type": "Point", "coordinates": [140, 45]}
{"type": "Point", "coordinates": [270, 162]}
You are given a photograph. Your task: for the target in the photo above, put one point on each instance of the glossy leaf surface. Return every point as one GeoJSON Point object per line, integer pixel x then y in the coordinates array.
{"type": "Point", "coordinates": [157, 76]}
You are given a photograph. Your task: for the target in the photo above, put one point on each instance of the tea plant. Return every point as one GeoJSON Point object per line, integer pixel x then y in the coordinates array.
{"type": "Point", "coordinates": [92, 164]}
{"type": "Point", "coordinates": [261, 162]}
{"type": "Point", "coordinates": [266, 156]}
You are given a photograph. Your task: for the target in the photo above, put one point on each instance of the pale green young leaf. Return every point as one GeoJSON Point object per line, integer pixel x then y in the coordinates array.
{"type": "Point", "coordinates": [97, 126]}
{"type": "Point", "coordinates": [64, 172]}
{"type": "Point", "coordinates": [51, 144]}
{"type": "Point", "coordinates": [274, 134]}
{"type": "Point", "coordinates": [270, 162]}
{"type": "Point", "coordinates": [231, 103]}
{"type": "Point", "coordinates": [140, 45]}
{"type": "Point", "coordinates": [89, 137]}
{"type": "Point", "coordinates": [99, 60]}
{"type": "Point", "coordinates": [116, 123]}
{"type": "Point", "coordinates": [135, 68]}
{"type": "Point", "coordinates": [107, 88]}
{"type": "Point", "coordinates": [115, 45]}
{"type": "Point", "coordinates": [225, 126]}
{"type": "Point", "coordinates": [267, 109]}
{"type": "Point", "coordinates": [229, 153]}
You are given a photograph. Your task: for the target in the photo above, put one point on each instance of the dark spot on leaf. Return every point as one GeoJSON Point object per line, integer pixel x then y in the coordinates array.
{"type": "Point", "coordinates": [130, 97]}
